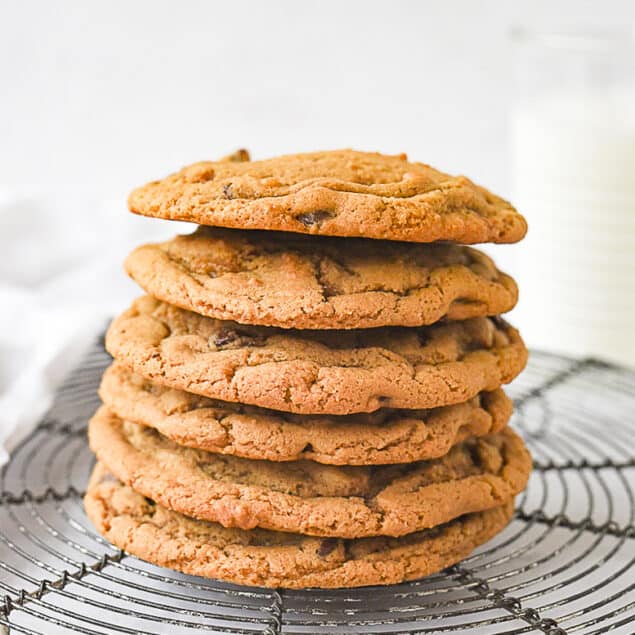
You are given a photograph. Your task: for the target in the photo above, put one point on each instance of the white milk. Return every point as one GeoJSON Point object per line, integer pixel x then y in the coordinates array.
{"type": "Point", "coordinates": [574, 179]}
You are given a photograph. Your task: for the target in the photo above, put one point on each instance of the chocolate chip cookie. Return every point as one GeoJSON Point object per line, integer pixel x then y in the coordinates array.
{"type": "Point", "coordinates": [316, 372]}
{"type": "Point", "coordinates": [336, 193]}
{"type": "Point", "coordinates": [304, 282]}
{"type": "Point", "coordinates": [274, 559]}
{"type": "Point", "coordinates": [307, 497]}
{"type": "Point", "coordinates": [385, 436]}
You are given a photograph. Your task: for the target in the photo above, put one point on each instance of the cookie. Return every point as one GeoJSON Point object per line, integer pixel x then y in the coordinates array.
{"type": "Point", "coordinates": [304, 282]}
{"type": "Point", "coordinates": [385, 436]}
{"type": "Point", "coordinates": [238, 156]}
{"type": "Point", "coordinates": [274, 559]}
{"type": "Point", "coordinates": [307, 497]}
{"type": "Point", "coordinates": [337, 193]}
{"type": "Point", "coordinates": [316, 372]}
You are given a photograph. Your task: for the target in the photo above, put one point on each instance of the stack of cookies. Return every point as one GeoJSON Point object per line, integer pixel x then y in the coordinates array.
{"type": "Point", "coordinates": [310, 395]}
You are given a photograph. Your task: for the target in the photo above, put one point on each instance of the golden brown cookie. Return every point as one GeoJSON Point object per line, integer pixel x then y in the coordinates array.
{"type": "Point", "coordinates": [316, 372]}
{"type": "Point", "coordinates": [307, 497]}
{"type": "Point", "coordinates": [305, 282]}
{"type": "Point", "coordinates": [385, 436]}
{"type": "Point", "coordinates": [274, 559]}
{"type": "Point", "coordinates": [337, 193]}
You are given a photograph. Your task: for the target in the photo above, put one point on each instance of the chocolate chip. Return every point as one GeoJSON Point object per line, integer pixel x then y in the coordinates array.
{"type": "Point", "coordinates": [226, 337]}
{"type": "Point", "coordinates": [227, 191]}
{"type": "Point", "coordinates": [326, 547]}
{"type": "Point", "coordinates": [476, 456]}
{"type": "Point", "coordinates": [314, 218]}
{"type": "Point", "coordinates": [423, 337]}
{"type": "Point", "coordinates": [500, 323]}
{"type": "Point", "coordinates": [232, 337]}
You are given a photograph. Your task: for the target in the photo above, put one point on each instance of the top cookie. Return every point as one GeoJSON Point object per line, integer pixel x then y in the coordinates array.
{"type": "Point", "coordinates": [337, 193]}
{"type": "Point", "coordinates": [305, 282]}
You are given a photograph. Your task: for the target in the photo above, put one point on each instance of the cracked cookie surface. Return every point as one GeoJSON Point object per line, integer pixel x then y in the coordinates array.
{"type": "Point", "coordinates": [385, 436]}
{"type": "Point", "coordinates": [307, 497]}
{"type": "Point", "coordinates": [304, 282]}
{"type": "Point", "coordinates": [336, 193]}
{"type": "Point", "coordinates": [265, 558]}
{"type": "Point", "coordinates": [316, 372]}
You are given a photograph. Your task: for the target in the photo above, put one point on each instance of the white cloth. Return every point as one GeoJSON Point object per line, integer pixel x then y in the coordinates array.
{"type": "Point", "coordinates": [61, 279]}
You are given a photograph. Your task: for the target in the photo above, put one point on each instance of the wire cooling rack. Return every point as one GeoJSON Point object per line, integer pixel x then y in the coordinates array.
{"type": "Point", "coordinates": [564, 565]}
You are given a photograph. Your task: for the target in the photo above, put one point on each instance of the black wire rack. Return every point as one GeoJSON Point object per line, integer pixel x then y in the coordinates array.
{"type": "Point", "coordinates": [565, 564]}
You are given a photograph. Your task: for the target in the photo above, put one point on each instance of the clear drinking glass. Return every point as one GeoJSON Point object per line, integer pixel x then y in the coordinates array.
{"type": "Point", "coordinates": [573, 150]}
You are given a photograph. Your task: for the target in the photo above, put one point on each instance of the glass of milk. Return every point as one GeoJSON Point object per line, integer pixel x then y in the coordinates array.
{"type": "Point", "coordinates": [573, 150]}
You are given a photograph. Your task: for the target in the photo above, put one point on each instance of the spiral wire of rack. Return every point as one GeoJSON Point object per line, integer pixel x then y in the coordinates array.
{"type": "Point", "coordinates": [565, 564]}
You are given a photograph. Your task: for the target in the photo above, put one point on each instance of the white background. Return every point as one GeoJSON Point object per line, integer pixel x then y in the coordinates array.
{"type": "Point", "coordinates": [110, 94]}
